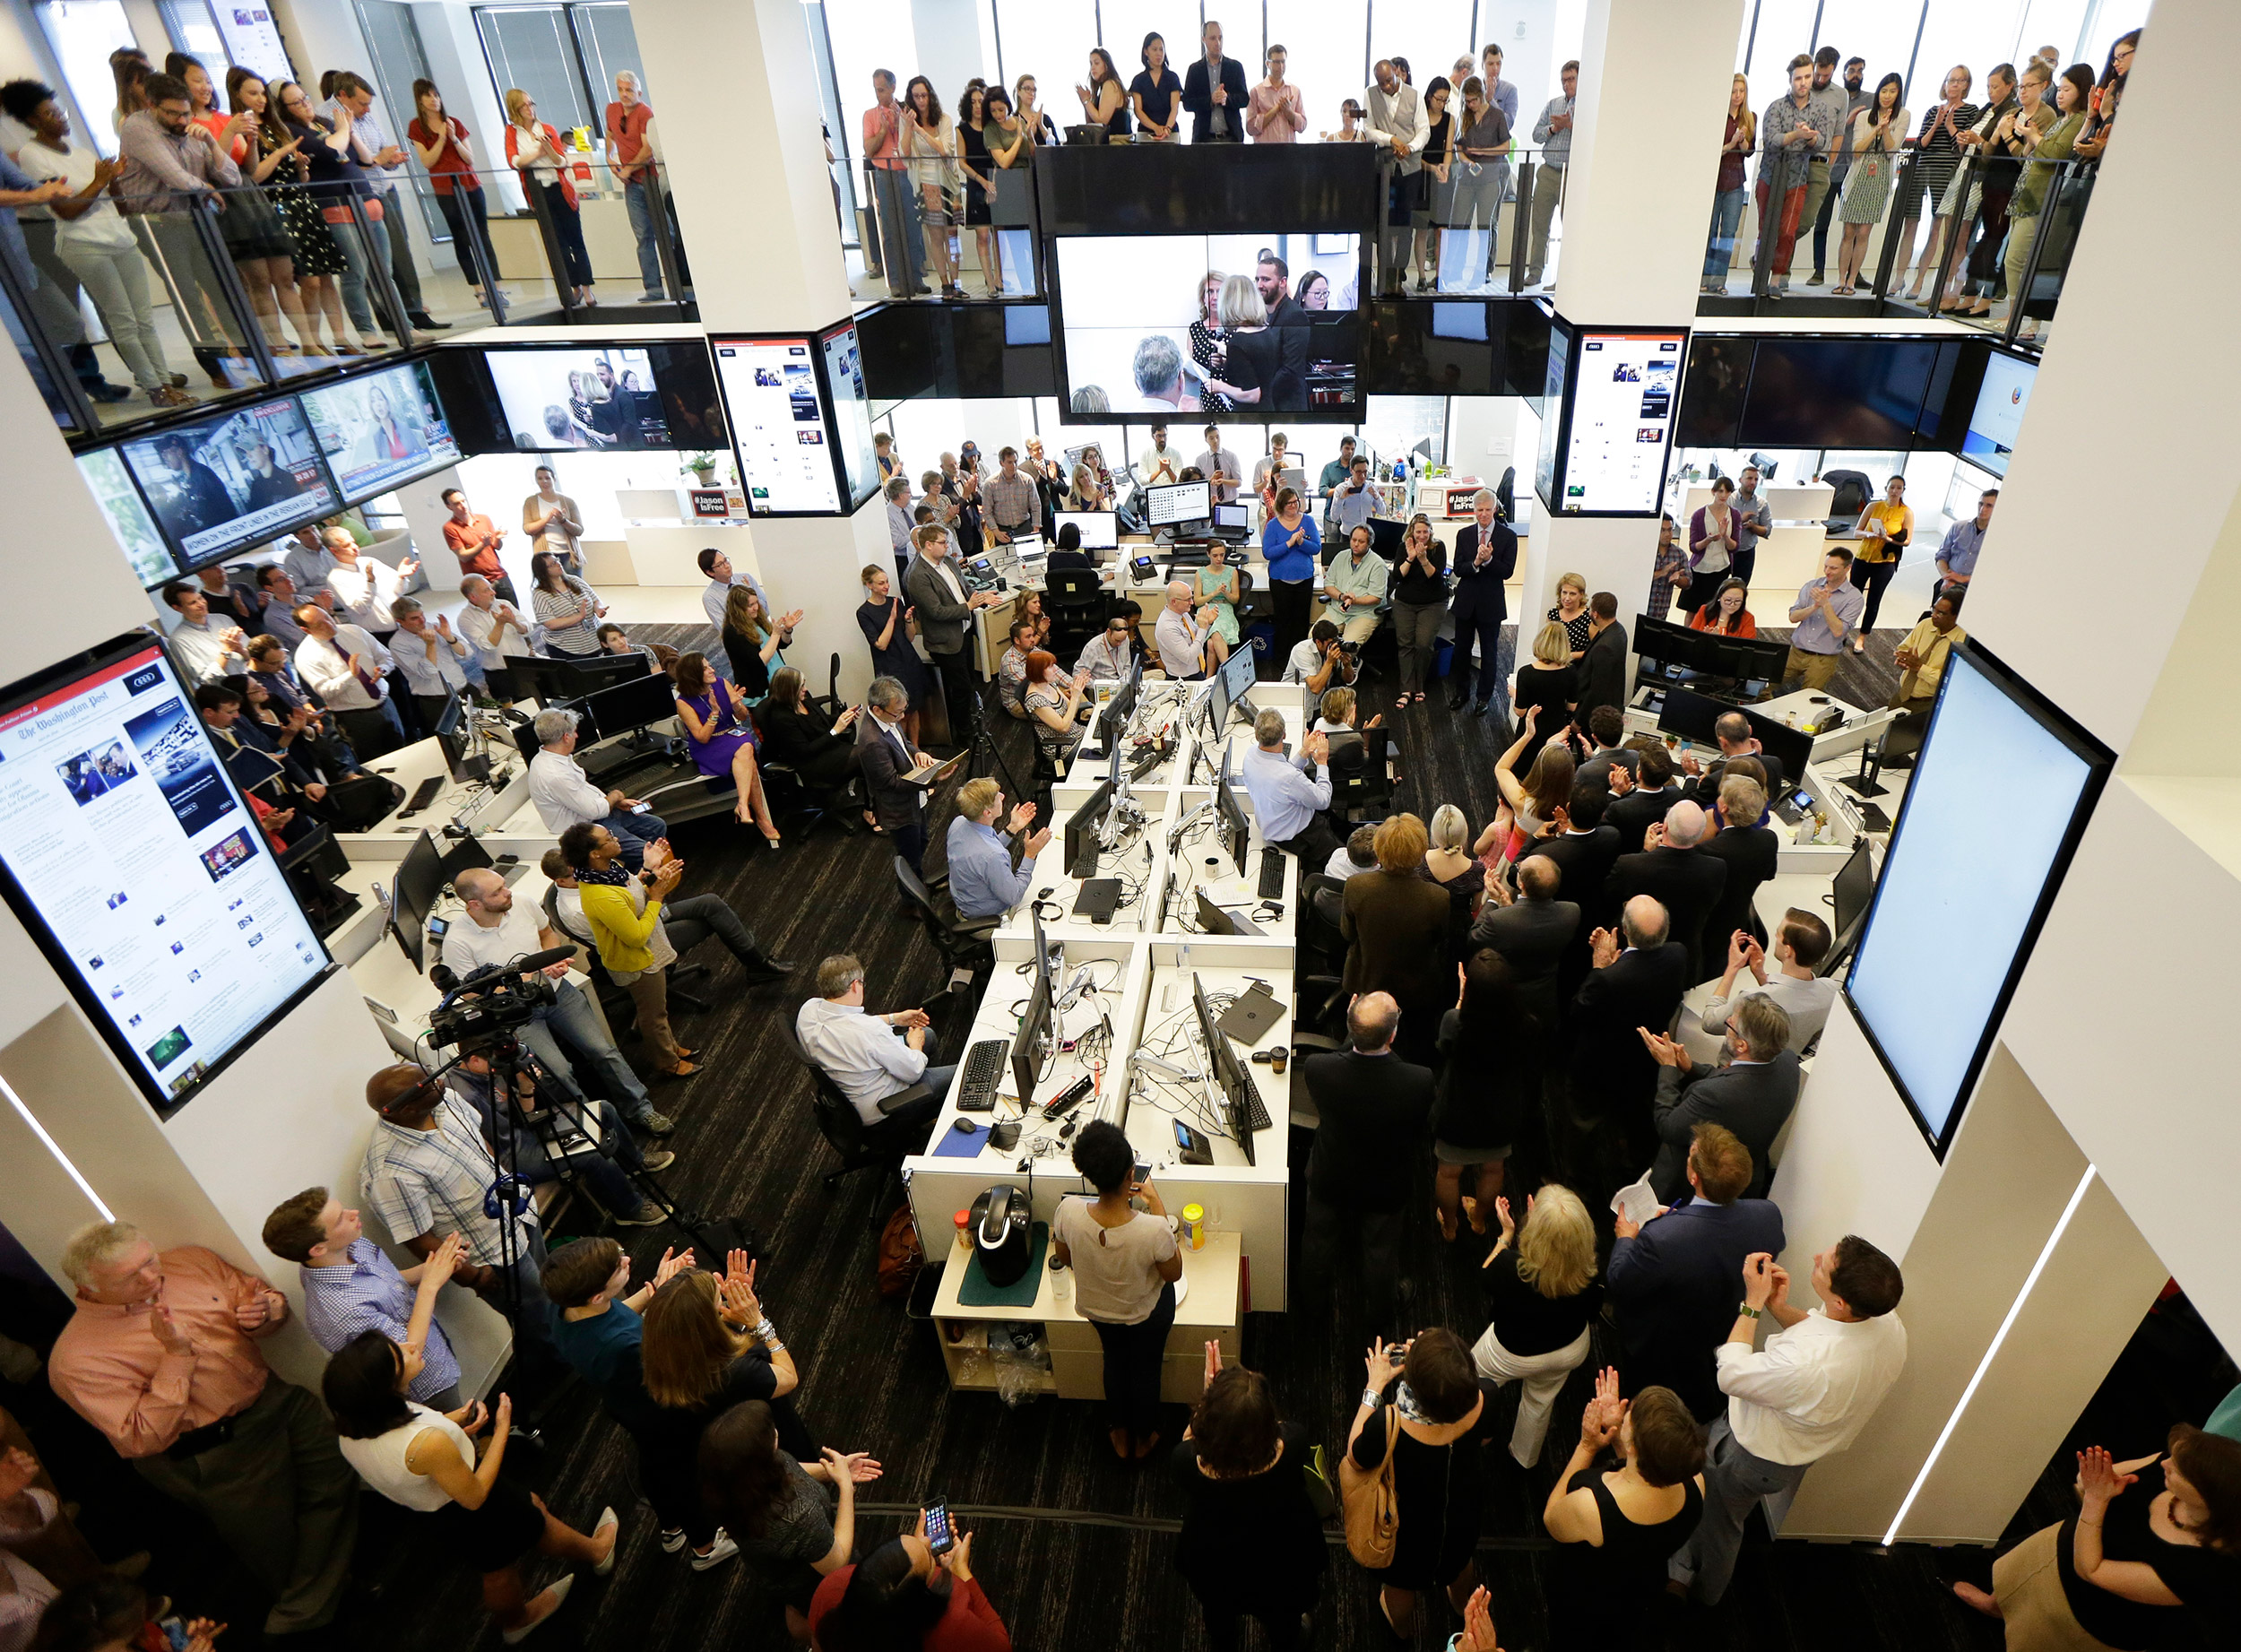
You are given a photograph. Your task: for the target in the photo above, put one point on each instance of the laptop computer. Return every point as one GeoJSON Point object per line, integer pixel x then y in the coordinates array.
{"type": "Point", "coordinates": [1099, 899]}
{"type": "Point", "coordinates": [933, 774]}
{"type": "Point", "coordinates": [1215, 920]}
{"type": "Point", "coordinates": [1247, 1020]}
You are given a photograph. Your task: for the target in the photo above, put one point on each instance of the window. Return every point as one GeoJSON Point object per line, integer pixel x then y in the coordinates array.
{"type": "Point", "coordinates": [867, 35]}
{"type": "Point", "coordinates": [194, 31]}
{"type": "Point", "coordinates": [83, 34]}
{"type": "Point", "coordinates": [398, 59]}
{"type": "Point", "coordinates": [1049, 42]}
{"type": "Point", "coordinates": [1884, 33]}
{"type": "Point", "coordinates": [1432, 34]}
{"type": "Point", "coordinates": [1981, 36]}
{"type": "Point", "coordinates": [1326, 54]}
{"type": "Point", "coordinates": [610, 47]}
{"type": "Point", "coordinates": [1784, 29]}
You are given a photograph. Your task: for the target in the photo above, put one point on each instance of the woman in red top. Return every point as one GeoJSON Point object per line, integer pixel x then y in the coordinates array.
{"type": "Point", "coordinates": [1724, 615]}
{"type": "Point", "coordinates": [533, 149]}
{"type": "Point", "coordinates": [440, 140]}
{"type": "Point", "coordinates": [900, 1597]}
{"type": "Point", "coordinates": [254, 237]}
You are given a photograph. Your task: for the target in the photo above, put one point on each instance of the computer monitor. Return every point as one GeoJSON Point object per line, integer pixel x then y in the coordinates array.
{"type": "Point", "coordinates": [1178, 505]}
{"type": "Point", "coordinates": [1113, 720]}
{"type": "Point", "coordinates": [1852, 891]}
{"type": "Point", "coordinates": [1692, 715]}
{"type": "Point", "coordinates": [1235, 830]}
{"type": "Point", "coordinates": [1100, 530]}
{"type": "Point", "coordinates": [632, 704]}
{"type": "Point", "coordinates": [1034, 1025]}
{"type": "Point", "coordinates": [1236, 675]}
{"type": "Point", "coordinates": [1223, 1070]}
{"type": "Point", "coordinates": [1082, 828]}
{"type": "Point", "coordinates": [1676, 646]}
{"type": "Point", "coordinates": [453, 734]}
{"type": "Point", "coordinates": [420, 880]}
{"type": "Point", "coordinates": [1235, 518]}
{"type": "Point", "coordinates": [1793, 749]}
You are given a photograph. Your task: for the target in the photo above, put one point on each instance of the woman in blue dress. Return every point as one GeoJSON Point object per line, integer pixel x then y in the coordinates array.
{"type": "Point", "coordinates": [722, 737]}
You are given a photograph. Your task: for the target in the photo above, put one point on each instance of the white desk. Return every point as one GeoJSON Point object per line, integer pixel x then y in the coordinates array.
{"type": "Point", "coordinates": [467, 802]}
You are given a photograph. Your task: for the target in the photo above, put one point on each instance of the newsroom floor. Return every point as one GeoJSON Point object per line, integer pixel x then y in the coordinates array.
{"type": "Point", "coordinates": [1075, 1549]}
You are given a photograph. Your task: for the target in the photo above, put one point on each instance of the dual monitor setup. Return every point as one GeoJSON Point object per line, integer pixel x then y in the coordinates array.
{"type": "Point", "coordinates": [1676, 654]}
{"type": "Point", "coordinates": [1186, 510]}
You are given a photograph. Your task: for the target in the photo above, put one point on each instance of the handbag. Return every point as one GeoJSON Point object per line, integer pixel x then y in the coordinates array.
{"type": "Point", "coordinates": [1371, 1509]}
{"type": "Point", "coordinates": [1316, 1473]}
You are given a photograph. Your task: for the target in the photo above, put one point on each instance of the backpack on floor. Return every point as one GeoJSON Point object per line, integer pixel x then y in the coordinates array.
{"type": "Point", "coordinates": [900, 1255]}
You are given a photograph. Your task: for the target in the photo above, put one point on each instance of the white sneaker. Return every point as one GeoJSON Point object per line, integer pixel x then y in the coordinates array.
{"type": "Point", "coordinates": [672, 1539]}
{"type": "Point", "coordinates": [724, 1550]}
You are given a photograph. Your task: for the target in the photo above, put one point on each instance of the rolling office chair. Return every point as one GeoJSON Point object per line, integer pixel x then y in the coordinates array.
{"type": "Point", "coordinates": [1076, 602]}
{"type": "Point", "coordinates": [964, 947]}
{"type": "Point", "coordinates": [1853, 493]}
{"type": "Point", "coordinates": [860, 1145]}
{"type": "Point", "coordinates": [1361, 773]}
{"type": "Point", "coordinates": [1506, 494]}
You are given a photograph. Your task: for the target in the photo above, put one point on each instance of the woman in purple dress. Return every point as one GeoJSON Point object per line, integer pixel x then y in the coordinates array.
{"type": "Point", "coordinates": [722, 737]}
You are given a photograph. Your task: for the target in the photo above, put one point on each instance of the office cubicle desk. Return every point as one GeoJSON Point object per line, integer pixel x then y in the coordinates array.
{"type": "Point", "coordinates": [466, 802]}
{"type": "Point", "coordinates": [1211, 1310]}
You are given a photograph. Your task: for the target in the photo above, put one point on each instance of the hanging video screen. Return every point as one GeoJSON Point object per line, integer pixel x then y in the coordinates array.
{"type": "Point", "coordinates": [852, 411]}
{"type": "Point", "coordinates": [380, 429]}
{"type": "Point", "coordinates": [240, 478]}
{"type": "Point", "coordinates": [141, 872]}
{"type": "Point", "coordinates": [599, 399]}
{"type": "Point", "coordinates": [1242, 326]}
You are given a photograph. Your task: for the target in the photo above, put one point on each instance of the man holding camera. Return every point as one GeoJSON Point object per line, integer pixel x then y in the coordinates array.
{"type": "Point", "coordinates": [552, 1128]}
{"type": "Point", "coordinates": [1323, 662]}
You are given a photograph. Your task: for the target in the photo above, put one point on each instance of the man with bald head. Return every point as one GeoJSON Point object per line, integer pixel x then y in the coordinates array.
{"type": "Point", "coordinates": [496, 930]}
{"type": "Point", "coordinates": [1373, 1108]}
{"type": "Point", "coordinates": [1530, 932]}
{"type": "Point", "coordinates": [427, 1173]}
{"type": "Point", "coordinates": [1672, 867]}
{"type": "Point", "coordinates": [1635, 980]}
{"type": "Point", "coordinates": [1188, 644]}
{"type": "Point", "coordinates": [564, 796]}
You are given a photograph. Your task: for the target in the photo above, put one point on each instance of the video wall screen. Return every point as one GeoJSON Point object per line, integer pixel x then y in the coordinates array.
{"type": "Point", "coordinates": [141, 872]}
{"type": "Point", "coordinates": [852, 410]}
{"type": "Point", "coordinates": [1998, 415]}
{"type": "Point", "coordinates": [1620, 429]}
{"type": "Point", "coordinates": [240, 477]}
{"type": "Point", "coordinates": [137, 535]}
{"type": "Point", "coordinates": [778, 424]}
{"type": "Point", "coordinates": [1242, 326]}
{"type": "Point", "coordinates": [600, 398]}
{"type": "Point", "coordinates": [1970, 899]}
{"type": "Point", "coordinates": [1837, 393]}
{"type": "Point", "coordinates": [379, 429]}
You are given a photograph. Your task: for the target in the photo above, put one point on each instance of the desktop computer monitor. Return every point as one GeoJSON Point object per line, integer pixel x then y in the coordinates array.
{"type": "Point", "coordinates": [455, 734]}
{"type": "Point", "coordinates": [1178, 505]}
{"type": "Point", "coordinates": [1692, 715]}
{"type": "Point", "coordinates": [1081, 829]}
{"type": "Point", "coordinates": [1236, 676]}
{"type": "Point", "coordinates": [1235, 832]}
{"type": "Point", "coordinates": [1793, 749]}
{"type": "Point", "coordinates": [1232, 519]}
{"type": "Point", "coordinates": [1851, 893]}
{"type": "Point", "coordinates": [1113, 721]}
{"type": "Point", "coordinates": [419, 885]}
{"type": "Point", "coordinates": [1100, 530]}
{"type": "Point", "coordinates": [1676, 647]}
{"type": "Point", "coordinates": [1026, 1047]}
{"type": "Point", "coordinates": [1223, 1070]}
{"type": "Point", "coordinates": [633, 704]}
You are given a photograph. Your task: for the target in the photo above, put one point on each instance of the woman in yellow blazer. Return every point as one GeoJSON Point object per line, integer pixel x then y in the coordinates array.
{"type": "Point", "coordinates": [625, 913]}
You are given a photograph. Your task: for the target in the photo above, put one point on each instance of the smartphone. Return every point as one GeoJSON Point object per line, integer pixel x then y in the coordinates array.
{"type": "Point", "coordinates": [435, 928]}
{"type": "Point", "coordinates": [939, 1538]}
{"type": "Point", "coordinates": [1142, 1173]}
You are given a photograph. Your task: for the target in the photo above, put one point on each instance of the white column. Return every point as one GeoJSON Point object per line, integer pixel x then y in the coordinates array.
{"type": "Point", "coordinates": [738, 79]}
{"type": "Point", "coordinates": [1638, 202]}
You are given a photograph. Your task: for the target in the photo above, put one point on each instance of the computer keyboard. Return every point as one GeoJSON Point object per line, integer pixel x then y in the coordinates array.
{"type": "Point", "coordinates": [422, 796]}
{"type": "Point", "coordinates": [983, 1066]}
{"type": "Point", "coordinates": [1271, 873]}
{"type": "Point", "coordinates": [1256, 1115]}
{"type": "Point", "coordinates": [1085, 863]}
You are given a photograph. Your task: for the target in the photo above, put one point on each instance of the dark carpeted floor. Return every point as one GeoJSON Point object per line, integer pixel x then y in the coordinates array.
{"type": "Point", "coordinates": [1075, 1549]}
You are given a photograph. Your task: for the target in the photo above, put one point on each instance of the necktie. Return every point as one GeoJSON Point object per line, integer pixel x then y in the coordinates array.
{"type": "Point", "coordinates": [365, 682]}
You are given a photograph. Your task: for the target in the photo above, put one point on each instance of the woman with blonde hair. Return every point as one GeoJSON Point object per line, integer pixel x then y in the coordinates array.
{"type": "Point", "coordinates": [1207, 340]}
{"type": "Point", "coordinates": [533, 149]}
{"type": "Point", "coordinates": [1571, 610]}
{"type": "Point", "coordinates": [1541, 1295]}
{"type": "Point", "coordinates": [1731, 193]}
{"type": "Point", "coordinates": [1530, 804]}
{"type": "Point", "coordinates": [1450, 863]}
{"type": "Point", "coordinates": [1252, 371]}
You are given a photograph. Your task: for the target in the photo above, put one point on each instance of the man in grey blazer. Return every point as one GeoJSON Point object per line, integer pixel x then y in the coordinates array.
{"type": "Point", "coordinates": [1530, 932]}
{"type": "Point", "coordinates": [1752, 1094]}
{"type": "Point", "coordinates": [945, 622]}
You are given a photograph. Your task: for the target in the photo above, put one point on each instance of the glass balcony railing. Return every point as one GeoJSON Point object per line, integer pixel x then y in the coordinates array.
{"type": "Point", "coordinates": [1478, 225]}
{"type": "Point", "coordinates": [132, 314]}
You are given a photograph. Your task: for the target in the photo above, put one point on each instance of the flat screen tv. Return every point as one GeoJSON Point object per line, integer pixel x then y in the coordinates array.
{"type": "Point", "coordinates": [2001, 399]}
{"type": "Point", "coordinates": [559, 398]}
{"type": "Point", "coordinates": [133, 862]}
{"type": "Point", "coordinates": [1837, 393]}
{"type": "Point", "coordinates": [1134, 341]}
{"type": "Point", "coordinates": [379, 429]}
{"type": "Point", "coordinates": [1972, 899]}
{"type": "Point", "coordinates": [232, 480]}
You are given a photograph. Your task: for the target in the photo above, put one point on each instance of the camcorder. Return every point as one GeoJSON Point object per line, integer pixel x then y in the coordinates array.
{"type": "Point", "coordinates": [487, 1006]}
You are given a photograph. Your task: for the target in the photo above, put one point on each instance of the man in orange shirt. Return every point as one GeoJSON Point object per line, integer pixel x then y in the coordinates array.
{"type": "Point", "coordinates": [894, 198]}
{"type": "Point", "coordinates": [475, 542]}
{"type": "Point", "coordinates": [160, 1358]}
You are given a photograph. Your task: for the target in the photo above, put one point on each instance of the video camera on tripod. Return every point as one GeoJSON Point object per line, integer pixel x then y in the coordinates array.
{"type": "Point", "coordinates": [481, 1010]}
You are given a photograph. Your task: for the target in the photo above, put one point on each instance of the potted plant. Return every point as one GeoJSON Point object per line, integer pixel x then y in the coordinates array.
{"type": "Point", "coordinates": [702, 467]}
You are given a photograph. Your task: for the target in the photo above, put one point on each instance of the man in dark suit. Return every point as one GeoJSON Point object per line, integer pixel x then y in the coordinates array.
{"type": "Point", "coordinates": [1603, 667]}
{"type": "Point", "coordinates": [1215, 119]}
{"type": "Point", "coordinates": [1485, 554]}
{"type": "Point", "coordinates": [1613, 1075]}
{"type": "Point", "coordinates": [1583, 852]}
{"type": "Point", "coordinates": [1752, 853]}
{"type": "Point", "coordinates": [1671, 1278]}
{"type": "Point", "coordinates": [1654, 793]}
{"type": "Point", "coordinates": [1733, 730]}
{"type": "Point", "coordinates": [884, 756]}
{"type": "Point", "coordinates": [930, 584]}
{"type": "Point", "coordinates": [1606, 728]}
{"type": "Point", "coordinates": [1751, 1095]}
{"type": "Point", "coordinates": [1373, 1108]}
{"type": "Point", "coordinates": [1686, 881]}
{"type": "Point", "coordinates": [1533, 932]}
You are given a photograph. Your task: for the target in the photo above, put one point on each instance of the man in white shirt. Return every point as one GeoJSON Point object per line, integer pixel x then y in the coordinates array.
{"type": "Point", "coordinates": [1158, 465]}
{"type": "Point", "coordinates": [495, 930]}
{"type": "Point", "coordinates": [1184, 643]}
{"type": "Point", "coordinates": [433, 660]}
{"type": "Point", "coordinates": [365, 586]}
{"type": "Point", "coordinates": [1808, 1393]}
{"type": "Point", "coordinates": [563, 796]}
{"type": "Point", "coordinates": [863, 1054]}
{"type": "Point", "coordinates": [1320, 662]}
{"type": "Point", "coordinates": [1109, 654]}
{"type": "Point", "coordinates": [496, 632]}
{"type": "Point", "coordinates": [348, 670]}
{"type": "Point", "coordinates": [721, 577]}
{"type": "Point", "coordinates": [1799, 946]}
{"type": "Point", "coordinates": [206, 649]}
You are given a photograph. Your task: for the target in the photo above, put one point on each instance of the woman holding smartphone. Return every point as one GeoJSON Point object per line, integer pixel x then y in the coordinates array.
{"type": "Point", "coordinates": [1125, 1264]}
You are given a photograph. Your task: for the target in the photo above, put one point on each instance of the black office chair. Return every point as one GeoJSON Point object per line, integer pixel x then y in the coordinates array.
{"type": "Point", "coordinates": [829, 703]}
{"type": "Point", "coordinates": [860, 1145]}
{"type": "Point", "coordinates": [1076, 602]}
{"type": "Point", "coordinates": [1506, 494]}
{"type": "Point", "coordinates": [1853, 492]}
{"type": "Point", "coordinates": [964, 946]}
{"type": "Point", "coordinates": [1361, 773]}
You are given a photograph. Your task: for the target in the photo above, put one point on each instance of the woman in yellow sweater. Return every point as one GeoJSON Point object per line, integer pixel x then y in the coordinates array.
{"type": "Point", "coordinates": [625, 913]}
{"type": "Point", "coordinates": [1884, 528]}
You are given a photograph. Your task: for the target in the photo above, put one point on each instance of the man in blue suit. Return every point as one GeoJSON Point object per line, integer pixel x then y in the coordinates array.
{"type": "Point", "coordinates": [1673, 1278]}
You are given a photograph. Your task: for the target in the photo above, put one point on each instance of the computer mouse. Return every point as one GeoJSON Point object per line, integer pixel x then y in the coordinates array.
{"type": "Point", "coordinates": [963, 1127]}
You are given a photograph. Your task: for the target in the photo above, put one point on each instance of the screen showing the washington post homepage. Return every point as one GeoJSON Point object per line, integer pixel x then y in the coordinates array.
{"type": "Point", "coordinates": [1177, 325]}
{"type": "Point", "coordinates": [131, 847]}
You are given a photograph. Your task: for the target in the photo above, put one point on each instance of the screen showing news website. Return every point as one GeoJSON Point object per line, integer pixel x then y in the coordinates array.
{"type": "Point", "coordinates": [125, 835]}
